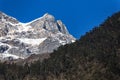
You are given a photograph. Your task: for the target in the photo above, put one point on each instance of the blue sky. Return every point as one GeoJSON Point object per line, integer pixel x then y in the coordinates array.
{"type": "Point", "coordinates": [79, 16]}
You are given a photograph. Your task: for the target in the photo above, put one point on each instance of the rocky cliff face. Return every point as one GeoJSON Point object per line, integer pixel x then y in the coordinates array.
{"type": "Point", "coordinates": [42, 35]}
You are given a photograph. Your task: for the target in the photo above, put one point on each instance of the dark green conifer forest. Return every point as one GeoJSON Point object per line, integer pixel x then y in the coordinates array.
{"type": "Point", "coordinates": [95, 56]}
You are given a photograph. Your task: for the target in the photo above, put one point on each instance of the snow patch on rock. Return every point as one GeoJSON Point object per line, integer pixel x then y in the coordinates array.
{"type": "Point", "coordinates": [33, 42]}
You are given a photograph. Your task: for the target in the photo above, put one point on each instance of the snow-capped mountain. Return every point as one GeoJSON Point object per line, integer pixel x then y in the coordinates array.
{"type": "Point", "coordinates": [42, 35]}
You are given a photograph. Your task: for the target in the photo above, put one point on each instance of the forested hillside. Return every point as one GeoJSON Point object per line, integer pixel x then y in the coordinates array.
{"type": "Point", "coordinates": [95, 56]}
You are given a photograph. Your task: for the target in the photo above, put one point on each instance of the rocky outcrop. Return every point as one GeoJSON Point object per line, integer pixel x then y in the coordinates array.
{"type": "Point", "coordinates": [6, 18]}
{"type": "Point", "coordinates": [42, 35]}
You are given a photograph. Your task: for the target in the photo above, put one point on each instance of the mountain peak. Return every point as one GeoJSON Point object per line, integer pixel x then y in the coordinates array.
{"type": "Point", "coordinates": [42, 35]}
{"type": "Point", "coordinates": [47, 14]}
{"type": "Point", "coordinates": [48, 17]}
{"type": "Point", "coordinates": [48, 22]}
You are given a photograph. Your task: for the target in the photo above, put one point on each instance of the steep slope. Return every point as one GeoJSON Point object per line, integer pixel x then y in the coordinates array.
{"type": "Point", "coordinates": [42, 35]}
{"type": "Point", "coordinates": [96, 56]}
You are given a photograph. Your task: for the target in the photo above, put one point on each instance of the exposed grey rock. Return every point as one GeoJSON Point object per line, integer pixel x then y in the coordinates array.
{"type": "Point", "coordinates": [49, 45]}
{"type": "Point", "coordinates": [62, 27]}
{"type": "Point", "coordinates": [3, 48]}
{"type": "Point", "coordinates": [42, 35]}
{"type": "Point", "coordinates": [4, 17]}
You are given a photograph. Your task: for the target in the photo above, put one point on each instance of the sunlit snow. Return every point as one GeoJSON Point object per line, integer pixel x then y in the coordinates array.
{"type": "Point", "coordinates": [32, 41]}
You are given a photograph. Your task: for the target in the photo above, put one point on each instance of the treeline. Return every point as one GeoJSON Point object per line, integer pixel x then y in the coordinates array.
{"type": "Point", "coordinates": [95, 56]}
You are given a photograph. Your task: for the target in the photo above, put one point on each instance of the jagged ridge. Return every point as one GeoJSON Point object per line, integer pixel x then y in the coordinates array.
{"type": "Point", "coordinates": [42, 35]}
